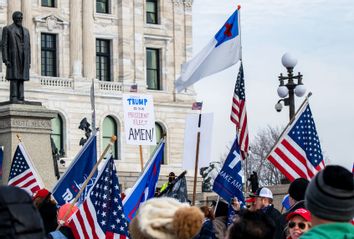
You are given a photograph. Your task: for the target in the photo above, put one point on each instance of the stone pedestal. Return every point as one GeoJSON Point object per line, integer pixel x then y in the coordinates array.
{"type": "Point", "coordinates": [32, 122]}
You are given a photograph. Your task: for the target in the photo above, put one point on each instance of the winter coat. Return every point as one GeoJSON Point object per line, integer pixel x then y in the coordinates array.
{"type": "Point", "coordinates": [48, 212]}
{"type": "Point", "coordinates": [19, 56]}
{"type": "Point", "coordinates": [207, 231]}
{"type": "Point", "coordinates": [19, 218]}
{"type": "Point", "coordinates": [339, 230]}
{"type": "Point", "coordinates": [274, 215]}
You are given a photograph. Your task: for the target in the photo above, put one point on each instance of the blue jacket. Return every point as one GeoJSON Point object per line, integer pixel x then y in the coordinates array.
{"type": "Point", "coordinates": [207, 231]}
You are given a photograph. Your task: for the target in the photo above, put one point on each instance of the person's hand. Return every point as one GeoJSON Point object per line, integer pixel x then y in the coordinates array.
{"type": "Point", "coordinates": [8, 63]}
{"type": "Point", "coordinates": [236, 205]}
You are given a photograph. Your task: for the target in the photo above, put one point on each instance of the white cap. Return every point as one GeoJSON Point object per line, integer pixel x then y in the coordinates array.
{"type": "Point", "coordinates": [264, 193]}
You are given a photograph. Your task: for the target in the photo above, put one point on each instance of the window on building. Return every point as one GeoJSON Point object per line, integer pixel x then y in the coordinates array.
{"type": "Point", "coordinates": [103, 60]}
{"type": "Point", "coordinates": [58, 133]}
{"type": "Point", "coordinates": [151, 11]}
{"type": "Point", "coordinates": [153, 69]}
{"type": "Point", "coordinates": [48, 3]}
{"type": "Point", "coordinates": [110, 128]}
{"type": "Point", "coordinates": [160, 133]}
{"type": "Point", "coordinates": [102, 6]}
{"type": "Point", "coordinates": [48, 54]}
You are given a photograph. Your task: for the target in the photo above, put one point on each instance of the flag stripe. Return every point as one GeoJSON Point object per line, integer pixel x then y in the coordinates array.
{"type": "Point", "coordinates": [24, 177]}
{"type": "Point", "coordinates": [297, 152]}
{"type": "Point", "coordinates": [280, 167]}
{"type": "Point", "coordinates": [22, 172]}
{"type": "Point", "coordinates": [239, 114]}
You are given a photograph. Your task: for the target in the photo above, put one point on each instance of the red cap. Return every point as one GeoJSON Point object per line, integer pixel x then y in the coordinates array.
{"type": "Point", "coordinates": [250, 200]}
{"type": "Point", "coordinates": [302, 212]}
{"type": "Point", "coordinates": [41, 193]}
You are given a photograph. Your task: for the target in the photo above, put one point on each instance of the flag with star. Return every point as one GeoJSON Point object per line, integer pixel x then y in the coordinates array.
{"type": "Point", "coordinates": [22, 172]}
{"type": "Point", "coordinates": [298, 151]}
{"type": "Point", "coordinates": [101, 214]}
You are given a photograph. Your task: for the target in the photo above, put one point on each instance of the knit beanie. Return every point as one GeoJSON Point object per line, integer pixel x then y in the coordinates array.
{"type": "Point", "coordinates": [330, 194]}
{"type": "Point", "coordinates": [166, 218]}
{"type": "Point", "coordinates": [297, 189]}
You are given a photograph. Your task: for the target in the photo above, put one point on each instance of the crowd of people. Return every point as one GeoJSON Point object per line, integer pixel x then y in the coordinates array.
{"type": "Point", "coordinates": [320, 209]}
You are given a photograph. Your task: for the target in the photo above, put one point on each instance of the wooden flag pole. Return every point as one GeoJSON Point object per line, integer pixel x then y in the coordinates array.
{"type": "Point", "coordinates": [196, 161]}
{"type": "Point", "coordinates": [113, 139]}
{"type": "Point", "coordinates": [141, 157]}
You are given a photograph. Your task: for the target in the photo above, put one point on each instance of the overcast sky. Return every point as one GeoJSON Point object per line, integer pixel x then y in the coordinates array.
{"type": "Point", "coordinates": [320, 34]}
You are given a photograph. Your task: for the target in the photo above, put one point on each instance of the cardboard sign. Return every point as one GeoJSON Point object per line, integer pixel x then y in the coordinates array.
{"type": "Point", "coordinates": [139, 119]}
{"type": "Point", "coordinates": [190, 140]}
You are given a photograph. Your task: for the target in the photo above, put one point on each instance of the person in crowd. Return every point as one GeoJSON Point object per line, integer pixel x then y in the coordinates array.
{"type": "Point", "coordinates": [250, 203]}
{"type": "Point", "coordinates": [47, 207]}
{"type": "Point", "coordinates": [299, 222]}
{"type": "Point", "coordinates": [221, 211]}
{"type": "Point", "coordinates": [330, 199]}
{"type": "Point", "coordinates": [264, 203]}
{"type": "Point", "coordinates": [19, 218]}
{"type": "Point", "coordinates": [251, 225]}
{"type": "Point", "coordinates": [63, 218]}
{"type": "Point", "coordinates": [171, 177]}
{"type": "Point", "coordinates": [207, 231]}
{"type": "Point", "coordinates": [296, 192]}
{"type": "Point", "coordinates": [166, 218]}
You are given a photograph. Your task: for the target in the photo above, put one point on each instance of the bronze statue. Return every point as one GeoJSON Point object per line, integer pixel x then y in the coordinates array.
{"type": "Point", "coordinates": [16, 54]}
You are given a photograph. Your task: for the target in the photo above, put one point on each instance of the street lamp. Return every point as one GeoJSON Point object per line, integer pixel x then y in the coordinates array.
{"type": "Point", "coordinates": [288, 86]}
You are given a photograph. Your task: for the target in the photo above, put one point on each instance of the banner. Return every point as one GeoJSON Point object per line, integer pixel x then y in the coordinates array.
{"type": "Point", "coordinates": [139, 119]}
{"type": "Point", "coordinates": [228, 183]}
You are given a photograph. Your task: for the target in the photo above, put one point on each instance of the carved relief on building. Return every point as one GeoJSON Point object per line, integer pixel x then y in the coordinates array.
{"type": "Point", "coordinates": [186, 3]}
{"type": "Point", "coordinates": [50, 22]}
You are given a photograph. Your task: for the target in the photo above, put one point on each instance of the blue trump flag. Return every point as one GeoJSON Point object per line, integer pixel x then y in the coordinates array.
{"type": "Point", "coordinates": [228, 183]}
{"type": "Point", "coordinates": [144, 188]}
{"type": "Point", "coordinates": [69, 185]}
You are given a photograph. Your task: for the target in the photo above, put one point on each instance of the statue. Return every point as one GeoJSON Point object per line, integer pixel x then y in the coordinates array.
{"type": "Point", "coordinates": [254, 181]}
{"type": "Point", "coordinates": [16, 54]}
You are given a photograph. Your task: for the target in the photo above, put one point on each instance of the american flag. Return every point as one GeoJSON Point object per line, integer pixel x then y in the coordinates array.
{"type": "Point", "coordinates": [298, 152]}
{"type": "Point", "coordinates": [101, 214]}
{"type": "Point", "coordinates": [239, 114]}
{"type": "Point", "coordinates": [22, 172]}
{"type": "Point", "coordinates": [197, 105]}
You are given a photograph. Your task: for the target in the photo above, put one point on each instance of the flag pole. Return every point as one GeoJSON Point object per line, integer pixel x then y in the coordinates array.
{"type": "Point", "coordinates": [196, 160]}
{"type": "Point", "coordinates": [217, 203]}
{"type": "Point", "coordinates": [290, 122]}
{"type": "Point", "coordinates": [141, 157]}
{"type": "Point", "coordinates": [113, 139]}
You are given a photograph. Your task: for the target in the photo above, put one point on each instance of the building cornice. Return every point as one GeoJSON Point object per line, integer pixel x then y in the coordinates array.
{"type": "Point", "coordinates": [186, 3]}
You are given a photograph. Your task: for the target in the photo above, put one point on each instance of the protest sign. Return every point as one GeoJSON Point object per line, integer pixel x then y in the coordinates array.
{"type": "Point", "coordinates": [139, 119]}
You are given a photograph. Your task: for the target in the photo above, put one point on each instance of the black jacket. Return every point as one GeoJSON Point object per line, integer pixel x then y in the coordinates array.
{"type": "Point", "coordinates": [19, 218]}
{"type": "Point", "coordinates": [275, 216]}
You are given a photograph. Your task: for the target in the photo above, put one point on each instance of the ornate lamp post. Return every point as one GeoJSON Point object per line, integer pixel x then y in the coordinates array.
{"type": "Point", "coordinates": [288, 86]}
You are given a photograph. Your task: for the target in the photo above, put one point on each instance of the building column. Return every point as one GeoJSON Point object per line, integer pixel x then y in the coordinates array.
{"type": "Point", "coordinates": [26, 9]}
{"type": "Point", "coordinates": [12, 6]}
{"type": "Point", "coordinates": [75, 39]}
{"type": "Point", "coordinates": [88, 40]}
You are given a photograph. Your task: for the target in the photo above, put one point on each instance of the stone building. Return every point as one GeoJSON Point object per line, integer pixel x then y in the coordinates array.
{"type": "Point", "coordinates": [118, 44]}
